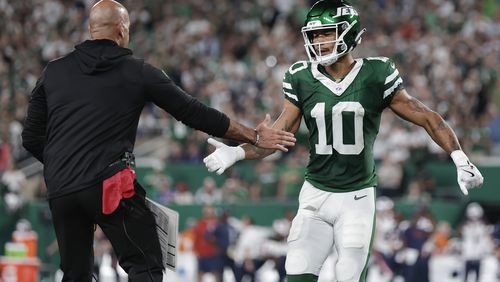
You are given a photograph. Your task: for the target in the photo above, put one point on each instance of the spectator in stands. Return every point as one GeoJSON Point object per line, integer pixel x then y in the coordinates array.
{"type": "Point", "coordinates": [421, 185]}
{"type": "Point", "coordinates": [255, 192]}
{"type": "Point", "coordinates": [267, 175]}
{"type": "Point", "coordinates": [14, 181]}
{"type": "Point", "coordinates": [5, 155]}
{"type": "Point", "coordinates": [234, 190]}
{"type": "Point", "coordinates": [182, 195]}
{"type": "Point", "coordinates": [13, 178]}
{"type": "Point", "coordinates": [390, 177]}
{"type": "Point", "coordinates": [208, 193]}
{"type": "Point", "coordinates": [494, 128]}
{"type": "Point", "coordinates": [205, 244]}
{"type": "Point", "coordinates": [192, 154]}
{"type": "Point", "coordinates": [290, 180]}
{"type": "Point", "coordinates": [14, 129]}
{"type": "Point", "coordinates": [164, 192]}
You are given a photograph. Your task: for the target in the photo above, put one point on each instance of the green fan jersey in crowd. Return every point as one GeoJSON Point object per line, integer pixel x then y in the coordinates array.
{"type": "Point", "coordinates": [343, 118]}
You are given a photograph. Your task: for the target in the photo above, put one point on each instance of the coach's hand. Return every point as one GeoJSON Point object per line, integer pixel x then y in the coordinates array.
{"type": "Point", "coordinates": [468, 176]}
{"type": "Point", "coordinates": [223, 157]}
{"type": "Point", "coordinates": [270, 138]}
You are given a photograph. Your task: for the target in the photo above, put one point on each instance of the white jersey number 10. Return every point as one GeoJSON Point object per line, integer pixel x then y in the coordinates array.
{"type": "Point", "coordinates": [322, 148]}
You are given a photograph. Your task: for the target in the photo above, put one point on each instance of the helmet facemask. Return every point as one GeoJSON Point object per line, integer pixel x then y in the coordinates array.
{"type": "Point", "coordinates": [338, 47]}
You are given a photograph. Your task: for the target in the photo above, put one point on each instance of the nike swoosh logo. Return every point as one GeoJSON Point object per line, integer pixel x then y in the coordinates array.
{"type": "Point", "coordinates": [470, 172]}
{"type": "Point", "coordinates": [310, 208]}
{"type": "Point", "coordinates": [359, 198]}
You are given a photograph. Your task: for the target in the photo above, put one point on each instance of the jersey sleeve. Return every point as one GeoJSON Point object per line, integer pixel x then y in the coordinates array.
{"type": "Point", "coordinates": [35, 124]}
{"type": "Point", "coordinates": [289, 89]}
{"type": "Point", "coordinates": [163, 92]}
{"type": "Point", "coordinates": [391, 81]}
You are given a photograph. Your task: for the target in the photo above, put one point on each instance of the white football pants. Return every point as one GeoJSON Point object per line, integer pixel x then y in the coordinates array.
{"type": "Point", "coordinates": [327, 219]}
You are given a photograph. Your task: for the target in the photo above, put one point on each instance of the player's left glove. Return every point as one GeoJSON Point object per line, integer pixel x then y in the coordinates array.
{"type": "Point", "coordinates": [223, 157]}
{"type": "Point", "coordinates": [468, 176]}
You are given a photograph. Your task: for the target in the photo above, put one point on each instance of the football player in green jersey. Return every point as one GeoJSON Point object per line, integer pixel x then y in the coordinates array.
{"type": "Point", "coordinates": [341, 100]}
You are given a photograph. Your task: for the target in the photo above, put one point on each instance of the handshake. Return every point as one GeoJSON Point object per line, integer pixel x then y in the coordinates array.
{"type": "Point", "coordinates": [268, 140]}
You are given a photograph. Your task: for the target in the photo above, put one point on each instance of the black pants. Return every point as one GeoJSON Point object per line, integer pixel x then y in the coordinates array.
{"type": "Point", "coordinates": [131, 230]}
{"type": "Point", "coordinates": [472, 266]}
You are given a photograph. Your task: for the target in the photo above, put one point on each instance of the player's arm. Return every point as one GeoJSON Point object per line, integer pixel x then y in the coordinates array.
{"type": "Point", "coordinates": [225, 156]}
{"type": "Point", "coordinates": [262, 137]}
{"type": "Point", "coordinates": [162, 91]}
{"type": "Point", "coordinates": [289, 121]}
{"type": "Point", "coordinates": [413, 110]}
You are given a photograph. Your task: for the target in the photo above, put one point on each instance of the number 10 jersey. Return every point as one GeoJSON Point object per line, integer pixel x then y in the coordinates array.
{"type": "Point", "coordinates": [343, 119]}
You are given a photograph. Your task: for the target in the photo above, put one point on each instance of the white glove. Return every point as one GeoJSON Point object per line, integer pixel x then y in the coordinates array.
{"type": "Point", "coordinates": [468, 176]}
{"type": "Point", "coordinates": [223, 157]}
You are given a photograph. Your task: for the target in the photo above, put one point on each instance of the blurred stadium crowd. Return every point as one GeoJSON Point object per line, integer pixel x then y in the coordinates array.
{"type": "Point", "coordinates": [232, 56]}
{"type": "Point", "coordinates": [418, 249]}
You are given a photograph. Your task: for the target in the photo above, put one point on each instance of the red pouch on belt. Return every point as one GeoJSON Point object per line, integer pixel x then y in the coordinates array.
{"type": "Point", "coordinates": [116, 187]}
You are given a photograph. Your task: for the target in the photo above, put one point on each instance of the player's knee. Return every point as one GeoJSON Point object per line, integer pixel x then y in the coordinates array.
{"type": "Point", "coordinates": [296, 262]}
{"type": "Point", "coordinates": [354, 235]}
{"type": "Point", "coordinates": [351, 263]}
{"type": "Point", "coordinates": [353, 253]}
{"type": "Point", "coordinates": [346, 269]}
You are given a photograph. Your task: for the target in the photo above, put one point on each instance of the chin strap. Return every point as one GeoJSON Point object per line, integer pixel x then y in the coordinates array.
{"type": "Point", "coordinates": [357, 40]}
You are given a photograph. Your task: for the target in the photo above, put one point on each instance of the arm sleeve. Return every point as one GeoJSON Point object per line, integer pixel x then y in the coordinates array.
{"type": "Point", "coordinates": [392, 82]}
{"type": "Point", "coordinates": [162, 91]}
{"type": "Point", "coordinates": [35, 124]}
{"type": "Point", "coordinates": [289, 92]}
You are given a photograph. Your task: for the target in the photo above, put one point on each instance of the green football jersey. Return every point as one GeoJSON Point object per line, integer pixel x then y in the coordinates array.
{"type": "Point", "coordinates": [343, 119]}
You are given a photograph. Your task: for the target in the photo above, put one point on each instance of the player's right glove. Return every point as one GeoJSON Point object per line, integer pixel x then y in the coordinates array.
{"type": "Point", "coordinates": [223, 157]}
{"type": "Point", "coordinates": [468, 176]}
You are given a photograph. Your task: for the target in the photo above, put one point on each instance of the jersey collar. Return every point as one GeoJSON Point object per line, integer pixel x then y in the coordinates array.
{"type": "Point", "coordinates": [337, 87]}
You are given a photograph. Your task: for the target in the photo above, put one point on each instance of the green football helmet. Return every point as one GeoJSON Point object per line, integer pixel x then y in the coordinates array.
{"type": "Point", "coordinates": [336, 16]}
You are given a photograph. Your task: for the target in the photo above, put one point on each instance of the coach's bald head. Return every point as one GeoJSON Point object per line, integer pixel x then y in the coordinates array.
{"type": "Point", "coordinates": [109, 20]}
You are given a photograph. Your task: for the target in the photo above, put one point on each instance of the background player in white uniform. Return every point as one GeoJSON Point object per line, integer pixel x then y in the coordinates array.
{"type": "Point", "coordinates": [341, 100]}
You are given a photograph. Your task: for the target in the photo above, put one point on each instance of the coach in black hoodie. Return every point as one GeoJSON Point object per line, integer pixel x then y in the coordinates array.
{"type": "Point", "coordinates": [82, 119]}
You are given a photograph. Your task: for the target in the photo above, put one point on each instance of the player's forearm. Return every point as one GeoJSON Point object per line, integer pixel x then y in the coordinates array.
{"type": "Point", "coordinates": [442, 133]}
{"type": "Point", "coordinates": [289, 121]}
{"type": "Point", "coordinates": [252, 152]}
{"type": "Point", "coordinates": [239, 132]}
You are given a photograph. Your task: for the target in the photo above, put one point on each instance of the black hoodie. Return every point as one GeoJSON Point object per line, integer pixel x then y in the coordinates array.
{"type": "Point", "coordinates": [84, 111]}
